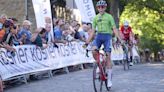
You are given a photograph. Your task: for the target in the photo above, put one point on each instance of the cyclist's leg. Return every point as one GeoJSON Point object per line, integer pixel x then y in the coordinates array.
{"type": "Point", "coordinates": [131, 53]}
{"type": "Point", "coordinates": [107, 49]}
{"type": "Point", "coordinates": [96, 45]}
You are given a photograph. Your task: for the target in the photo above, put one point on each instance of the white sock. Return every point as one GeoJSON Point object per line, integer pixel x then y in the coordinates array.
{"type": "Point", "coordinates": [110, 73]}
{"type": "Point", "coordinates": [109, 77]}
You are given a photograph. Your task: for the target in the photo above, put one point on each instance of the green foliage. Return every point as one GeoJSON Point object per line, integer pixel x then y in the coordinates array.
{"type": "Point", "coordinates": [147, 19]}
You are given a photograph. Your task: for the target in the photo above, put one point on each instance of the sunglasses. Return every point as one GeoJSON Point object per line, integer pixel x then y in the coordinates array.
{"type": "Point", "coordinates": [101, 6]}
{"type": "Point", "coordinates": [125, 26]}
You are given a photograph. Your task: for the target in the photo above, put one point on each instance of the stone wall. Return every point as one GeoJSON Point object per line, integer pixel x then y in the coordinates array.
{"type": "Point", "coordinates": [16, 8]}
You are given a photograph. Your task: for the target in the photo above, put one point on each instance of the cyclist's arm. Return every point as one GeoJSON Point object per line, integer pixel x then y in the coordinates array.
{"type": "Point", "coordinates": [116, 32]}
{"type": "Point", "coordinates": [131, 36]}
{"type": "Point", "coordinates": [91, 35]}
{"type": "Point", "coordinates": [121, 33]}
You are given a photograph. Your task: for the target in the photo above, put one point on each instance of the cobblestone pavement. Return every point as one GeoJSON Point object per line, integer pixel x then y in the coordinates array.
{"type": "Point", "coordinates": [141, 78]}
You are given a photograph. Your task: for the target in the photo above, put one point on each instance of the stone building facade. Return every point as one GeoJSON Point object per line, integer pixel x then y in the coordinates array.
{"type": "Point", "coordinates": [17, 9]}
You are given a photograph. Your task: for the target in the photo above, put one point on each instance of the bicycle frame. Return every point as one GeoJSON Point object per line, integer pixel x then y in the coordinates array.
{"type": "Point", "coordinates": [126, 51]}
{"type": "Point", "coordinates": [100, 65]}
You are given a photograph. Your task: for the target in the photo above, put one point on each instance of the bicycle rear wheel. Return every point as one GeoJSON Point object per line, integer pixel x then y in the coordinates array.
{"type": "Point", "coordinates": [126, 65]}
{"type": "Point", "coordinates": [126, 62]}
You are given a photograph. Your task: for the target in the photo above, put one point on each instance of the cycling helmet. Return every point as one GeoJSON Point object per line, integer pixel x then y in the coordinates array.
{"type": "Point", "coordinates": [126, 23]}
{"type": "Point", "coordinates": [101, 3]}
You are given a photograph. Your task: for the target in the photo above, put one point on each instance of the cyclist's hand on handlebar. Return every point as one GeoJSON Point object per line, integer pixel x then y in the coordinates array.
{"type": "Point", "coordinates": [87, 42]}
{"type": "Point", "coordinates": [85, 45]}
{"type": "Point", "coordinates": [122, 42]}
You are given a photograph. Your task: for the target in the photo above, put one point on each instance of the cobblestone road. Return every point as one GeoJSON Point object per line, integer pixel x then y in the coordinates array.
{"type": "Point", "coordinates": [141, 78]}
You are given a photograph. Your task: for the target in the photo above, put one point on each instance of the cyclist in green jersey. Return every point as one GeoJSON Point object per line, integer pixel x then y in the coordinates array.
{"type": "Point", "coordinates": [105, 25]}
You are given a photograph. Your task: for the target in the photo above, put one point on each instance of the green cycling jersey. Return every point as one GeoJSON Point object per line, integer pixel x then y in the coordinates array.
{"type": "Point", "coordinates": [104, 23]}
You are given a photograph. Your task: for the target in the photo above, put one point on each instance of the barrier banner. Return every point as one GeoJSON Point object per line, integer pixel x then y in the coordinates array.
{"type": "Point", "coordinates": [117, 53]}
{"type": "Point", "coordinates": [29, 58]}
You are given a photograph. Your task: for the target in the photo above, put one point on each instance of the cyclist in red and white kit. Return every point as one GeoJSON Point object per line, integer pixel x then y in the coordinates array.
{"type": "Point", "coordinates": [127, 36]}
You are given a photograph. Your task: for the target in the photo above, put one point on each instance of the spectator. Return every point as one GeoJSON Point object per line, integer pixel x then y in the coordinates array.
{"type": "Point", "coordinates": [18, 28]}
{"type": "Point", "coordinates": [162, 53]}
{"type": "Point", "coordinates": [47, 37]}
{"type": "Point", "coordinates": [24, 35]}
{"type": "Point", "coordinates": [2, 30]}
{"type": "Point", "coordinates": [16, 42]}
{"type": "Point", "coordinates": [159, 56]}
{"type": "Point", "coordinates": [58, 31]}
{"type": "Point", "coordinates": [147, 55]}
{"type": "Point", "coordinates": [54, 22]}
{"type": "Point", "coordinates": [71, 28]}
{"type": "Point", "coordinates": [67, 33]}
{"type": "Point", "coordinates": [3, 18]}
{"type": "Point", "coordinates": [77, 33]}
{"type": "Point", "coordinates": [84, 31]}
{"type": "Point", "coordinates": [136, 39]}
{"type": "Point", "coordinates": [7, 40]}
{"type": "Point", "coordinates": [15, 30]}
{"type": "Point", "coordinates": [14, 20]}
{"type": "Point", "coordinates": [36, 38]}
{"type": "Point", "coordinates": [89, 28]}
{"type": "Point", "coordinates": [73, 24]}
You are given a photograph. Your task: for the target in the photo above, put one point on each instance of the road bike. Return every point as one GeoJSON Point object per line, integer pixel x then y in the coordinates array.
{"type": "Point", "coordinates": [99, 72]}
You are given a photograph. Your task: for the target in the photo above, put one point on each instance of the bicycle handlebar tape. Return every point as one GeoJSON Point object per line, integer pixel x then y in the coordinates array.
{"type": "Point", "coordinates": [85, 45]}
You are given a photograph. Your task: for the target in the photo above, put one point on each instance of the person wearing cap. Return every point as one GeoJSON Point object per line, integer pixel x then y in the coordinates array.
{"type": "Point", "coordinates": [127, 36]}
{"type": "Point", "coordinates": [105, 25]}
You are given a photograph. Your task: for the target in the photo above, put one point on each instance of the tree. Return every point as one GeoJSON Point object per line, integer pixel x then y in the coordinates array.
{"type": "Point", "coordinates": [147, 19]}
{"type": "Point", "coordinates": [114, 10]}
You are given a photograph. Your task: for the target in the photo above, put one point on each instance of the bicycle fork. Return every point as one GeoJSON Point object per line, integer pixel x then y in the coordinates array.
{"type": "Point", "coordinates": [102, 73]}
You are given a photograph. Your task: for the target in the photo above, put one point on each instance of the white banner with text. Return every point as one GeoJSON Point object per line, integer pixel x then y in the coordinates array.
{"type": "Point", "coordinates": [29, 58]}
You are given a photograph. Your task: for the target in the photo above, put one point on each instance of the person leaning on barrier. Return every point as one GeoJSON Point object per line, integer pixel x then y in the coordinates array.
{"type": "Point", "coordinates": [37, 39]}
{"type": "Point", "coordinates": [47, 37]}
{"type": "Point", "coordinates": [84, 31]}
{"type": "Point", "coordinates": [58, 32]}
{"type": "Point", "coordinates": [7, 40]}
{"type": "Point", "coordinates": [68, 34]}
{"type": "Point", "coordinates": [24, 35]}
{"type": "Point", "coordinates": [77, 33]}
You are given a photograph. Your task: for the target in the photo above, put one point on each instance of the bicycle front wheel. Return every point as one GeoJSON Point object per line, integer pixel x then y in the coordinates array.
{"type": "Point", "coordinates": [97, 81]}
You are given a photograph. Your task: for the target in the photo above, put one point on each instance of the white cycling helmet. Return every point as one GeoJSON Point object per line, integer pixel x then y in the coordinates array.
{"type": "Point", "coordinates": [126, 23]}
{"type": "Point", "coordinates": [101, 3]}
